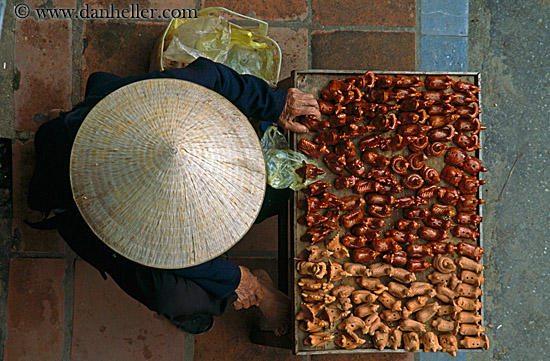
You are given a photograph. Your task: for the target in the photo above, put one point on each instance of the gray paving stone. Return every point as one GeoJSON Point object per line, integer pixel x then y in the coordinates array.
{"type": "Point", "coordinates": [509, 45]}
{"type": "Point", "coordinates": [444, 17]}
{"type": "Point", "coordinates": [2, 7]}
{"type": "Point", "coordinates": [444, 53]}
{"type": "Point", "coordinates": [440, 356]}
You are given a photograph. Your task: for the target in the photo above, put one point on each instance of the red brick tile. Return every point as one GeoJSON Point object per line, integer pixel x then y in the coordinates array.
{"type": "Point", "coordinates": [27, 239]}
{"type": "Point", "coordinates": [368, 13]}
{"type": "Point", "coordinates": [158, 5]}
{"type": "Point", "coordinates": [147, 4]}
{"type": "Point", "coordinates": [43, 58]}
{"type": "Point", "coordinates": [117, 47]}
{"type": "Point", "coordinates": [261, 236]}
{"type": "Point", "coordinates": [110, 325]}
{"type": "Point", "coordinates": [363, 50]}
{"type": "Point", "coordinates": [33, 4]}
{"type": "Point", "coordinates": [269, 10]}
{"type": "Point", "coordinates": [35, 309]}
{"type": "Point", "coordinates": [230, 338]}
{"type": "Point", "coordinates": [400, 356]}
{"type": "Point", "coordinates": [293, 44]}
{"type": "Point", "coordinates": [168, 4]}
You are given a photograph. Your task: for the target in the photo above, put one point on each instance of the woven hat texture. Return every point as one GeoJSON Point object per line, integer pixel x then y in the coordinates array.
{"type": "Point", "coordinates": [167, 173]}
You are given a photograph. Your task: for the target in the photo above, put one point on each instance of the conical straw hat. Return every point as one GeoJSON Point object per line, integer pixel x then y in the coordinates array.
{"type": "Point", "coordinates": [167, 173]}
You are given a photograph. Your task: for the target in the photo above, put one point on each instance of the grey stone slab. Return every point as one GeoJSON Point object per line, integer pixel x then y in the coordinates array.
{"type": "Point", "coordinates": [5, 235]}
{"type": "Point", "coordinates": [440, 356]}
{"type": "Point", "coordinates": [8, 77]}
{"type": "Point", "coordinates": [444, 17]}
{"type": "Point", "coordinates": [444, 53]}
{"type": "Point", "coordinates": [509, 46]}
{"type": "Point", "coordinates": [2, 8]}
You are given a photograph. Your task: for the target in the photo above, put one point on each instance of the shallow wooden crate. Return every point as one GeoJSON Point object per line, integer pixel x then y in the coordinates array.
{"type": "Point", "coordinates": [313, 81]}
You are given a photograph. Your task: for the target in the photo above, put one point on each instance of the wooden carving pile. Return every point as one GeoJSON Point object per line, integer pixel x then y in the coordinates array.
{"type": "Point", "coordinates": [390, 254]}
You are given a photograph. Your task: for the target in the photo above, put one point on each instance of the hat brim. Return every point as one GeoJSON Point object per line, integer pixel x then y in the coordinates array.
{"type": "Point", "coordinates": [167, 173]}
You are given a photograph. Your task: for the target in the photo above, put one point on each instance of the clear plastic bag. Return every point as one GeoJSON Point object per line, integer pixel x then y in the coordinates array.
{"type": "Point", "coordinates": [212, 36]}
{"type": "Point", "coordinates": [282, 162]}
{"type": "Point", "coordinates": [207, 36]}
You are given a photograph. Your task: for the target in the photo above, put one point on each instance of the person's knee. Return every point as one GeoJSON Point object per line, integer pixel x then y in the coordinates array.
{"type": "Point", "coordinates": [168, 295]}
{"type": "Point", "coordinates": [168, 303]}
{"type": "Point", "coordinates": [165, 292]}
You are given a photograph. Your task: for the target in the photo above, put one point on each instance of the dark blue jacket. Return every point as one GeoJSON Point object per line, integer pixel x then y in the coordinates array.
{"type": "Point", "coordinates": [206, 288]}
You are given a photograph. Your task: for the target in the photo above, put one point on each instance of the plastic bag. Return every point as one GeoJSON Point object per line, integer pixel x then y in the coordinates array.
{"type": "Point", "coordinates": [249, 56]}
{"type": "Point", "coordinates": [207, 37]}
{"type": "Point", "coordinates": [211, 35]}
{"type": "Point", "coordinates": [282, 162]}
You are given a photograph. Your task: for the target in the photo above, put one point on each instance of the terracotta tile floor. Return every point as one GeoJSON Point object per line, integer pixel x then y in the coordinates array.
{"type": "Point", "coordinates": [58, 307]}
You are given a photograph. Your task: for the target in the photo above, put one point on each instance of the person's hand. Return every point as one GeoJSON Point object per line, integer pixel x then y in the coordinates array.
{"type": "Point", "coordinates": [298, 103]}
{"type": "Point", "coordinates": [249, 292]}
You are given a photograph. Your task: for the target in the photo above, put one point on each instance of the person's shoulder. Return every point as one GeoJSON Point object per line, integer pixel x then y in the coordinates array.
{"type": "Point", "coordinates": [201, 65]}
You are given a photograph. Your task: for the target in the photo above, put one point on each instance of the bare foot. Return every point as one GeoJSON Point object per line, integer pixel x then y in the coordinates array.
{"type": "Point", "coordinates": [275, 306]}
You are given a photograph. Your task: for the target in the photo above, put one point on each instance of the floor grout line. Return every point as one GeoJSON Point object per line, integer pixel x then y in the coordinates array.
{"type": "Point", "coordinates": [78, 55]}
{"type": "Point", "coordinates": [26, 254]}
{"type": "Point", "coordinates": [77, 27]}
{"type": "Point", "coordinates": [68, 305]}
{"type": "Point", "coordinates": [320, 27]}
{"type": "Point", "coordinates": [9, 75]}
{"type": "Point", "coordinates": [8, 79]}
{"type": "Point", "coordinates": [308, 23]}
{"type": "Point", "coordinates": [4, 284]}
{"type": "Point", "coordinates": [188, 347]}
{"type": "Point", "coordinates": [418, 35]}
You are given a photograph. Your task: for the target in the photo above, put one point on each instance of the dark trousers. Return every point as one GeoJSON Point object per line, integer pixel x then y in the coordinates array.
{"type": "Point", "coordinates": [181, 293]}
